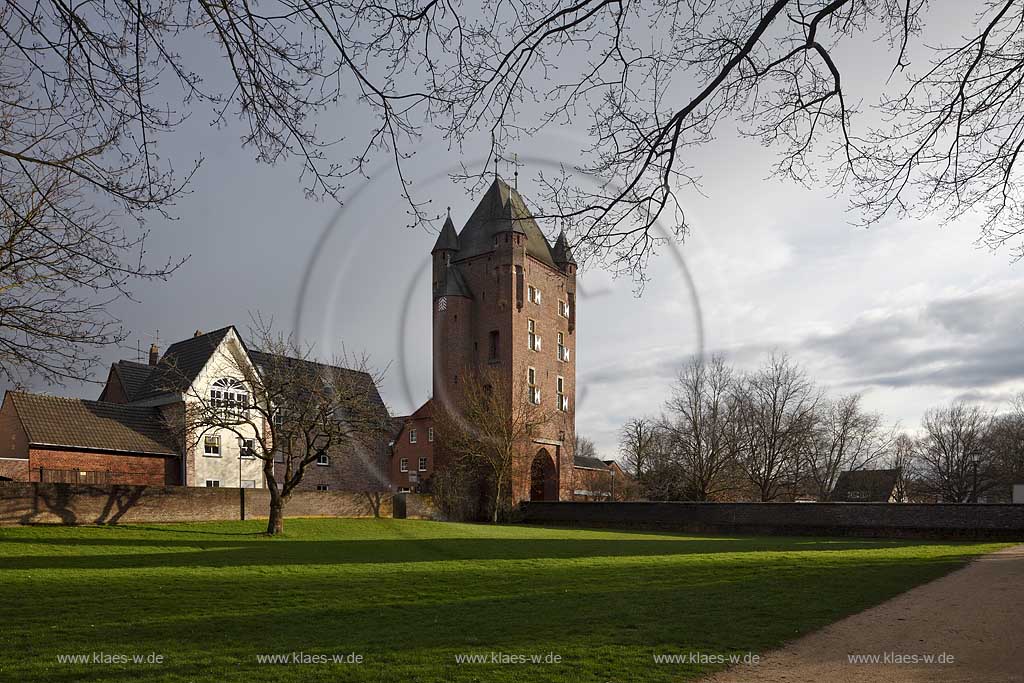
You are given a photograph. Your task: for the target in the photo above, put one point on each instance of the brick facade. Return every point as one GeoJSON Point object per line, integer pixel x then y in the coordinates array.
{"type": "Point", "coordinates": [121, 468]}
{"type": "Point", "coordinates": [485, 324]}
{"type": "Point", "coordinates": [21, 460]}
{"type": "Point", "coordinates": [420, 426]}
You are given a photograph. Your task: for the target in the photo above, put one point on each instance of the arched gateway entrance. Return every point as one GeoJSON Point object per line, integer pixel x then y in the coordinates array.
{"type": "Point", "coordinates": [543, 477]}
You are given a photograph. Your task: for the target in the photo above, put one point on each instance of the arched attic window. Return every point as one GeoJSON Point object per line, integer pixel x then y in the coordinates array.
{"type": "Point", "coordinates": [229, 394]}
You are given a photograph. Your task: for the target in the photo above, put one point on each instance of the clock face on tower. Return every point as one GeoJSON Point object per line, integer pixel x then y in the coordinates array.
{"type": "Point", "coordinates": [442, 304]}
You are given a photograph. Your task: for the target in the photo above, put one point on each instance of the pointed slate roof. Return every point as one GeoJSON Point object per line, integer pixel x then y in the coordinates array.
{"type": "Point", "coordinates": [502, 209]}
{"type": "Point", "coordinates": [447, 240]}
{"type": "Point", "coordinates": [181, 364]}
{"type": "Point", "coordinates": [562, 253]}
{"type": "Point", "coordinates": [454, 283]}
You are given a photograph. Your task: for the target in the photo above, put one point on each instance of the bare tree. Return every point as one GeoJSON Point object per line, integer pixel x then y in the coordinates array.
{"type": "Point", "coordinates": [637, 444]}
{"type": "Point", "coordinates": [954, 454]}
{"type": "Point", "coordinates": [776, 412]}
{"type": "Point", "coordinates": [701, 425]}
{"type": "Point", "coordinates": [1006, 444]}
{"type": "Point", "coordinates": [291, 412]}
{"type": "Point", "coordinates": [486, 427]}
{"type": "Point", "coordinates": [846, 438]}
{"type": "Point", "coordinates": [584, 447]}
{"type": "Point", "coordinates": [903, 459]}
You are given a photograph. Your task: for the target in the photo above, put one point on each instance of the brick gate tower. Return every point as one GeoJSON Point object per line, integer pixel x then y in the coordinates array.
{"type": "Point", "coordinates": [504, 299]}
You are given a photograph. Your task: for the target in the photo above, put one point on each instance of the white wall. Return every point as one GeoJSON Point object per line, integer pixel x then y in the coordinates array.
{"type": "Point", "coordinates": [223, 363]}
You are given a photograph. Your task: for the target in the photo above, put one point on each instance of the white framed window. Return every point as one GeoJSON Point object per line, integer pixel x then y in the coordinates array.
{"type": "Point", "coordinates": [213, 483]}
{"type": "Point", "coordinates": [248, 483]}
{"type": "Point", "coordinates": [533, 294]}
{"type": "Point", "coordinates": [532, 338]}
{"type": "Point", "coordinates": [430, 434]}
{"type": "Point", "coordinates": [404, 489]}
{"type": "Point", "coordinates": [563, 309]}
{"type": "Point", "coordinates": [278, 455]}
{"type": "Point", "coordinates": [403, 465]}
{"type": "Point", "coordinates": [279, 418]}
{"type": "Point", "coordinates": [323, 460]}
{"type": "Point", "coordinates": [563, 350]}
{"type": "Point", "coordinates": [247, 449]}
{"type": "Point", "coordinates": [531, 384]}
{"type": "Point", "coordinates": [423, 465]}
{"type": "Point", "coordinates": [563, 400]}
{"type": "Point", "coordinates": [229, 395]}
{"type": "Point", "coordinates": [211, 446]}
{"type": "Point", "coordinates": [412, 436]}
{"type": "Point", "coordinates": [323, 487]}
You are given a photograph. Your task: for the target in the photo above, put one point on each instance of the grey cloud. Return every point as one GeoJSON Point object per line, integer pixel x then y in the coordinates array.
{"type": "Point", "coordinates": [967, 342]}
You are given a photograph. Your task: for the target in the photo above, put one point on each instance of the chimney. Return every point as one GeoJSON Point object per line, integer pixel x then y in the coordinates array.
{"type": "Point", "coordinates": [199, 333]}
{"type": "Point", "coordinates": [154, 354]}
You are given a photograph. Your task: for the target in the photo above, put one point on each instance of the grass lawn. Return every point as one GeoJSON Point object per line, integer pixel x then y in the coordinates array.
{"type": "Point", "coordinates": [410, 596]}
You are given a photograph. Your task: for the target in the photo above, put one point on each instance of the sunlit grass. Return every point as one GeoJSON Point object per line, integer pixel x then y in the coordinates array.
{"type": "Point", "coordinates": [409, 596]}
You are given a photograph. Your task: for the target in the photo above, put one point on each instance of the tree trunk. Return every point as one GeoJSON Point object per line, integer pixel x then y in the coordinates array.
{"type": "Point", "coordinates": [275, 524]}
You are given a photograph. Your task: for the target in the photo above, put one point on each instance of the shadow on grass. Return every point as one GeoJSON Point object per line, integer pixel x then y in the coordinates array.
{"type": "Point", "coordinates": [251, 549]}
{"type": "Point", "coordinates": [606, 621]}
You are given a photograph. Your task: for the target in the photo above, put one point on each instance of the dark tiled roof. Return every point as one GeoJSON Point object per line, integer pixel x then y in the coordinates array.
{"type": "Point", "coordinates": [500, 210]}
{"type": "Point", "coordinates": [873, 486]}
{"type": "Point", "coordinates": [97, 425]}
{"type": "Point", "coordinates": [134, 376]}
{"type": "Point", "coordinates": [360, 380]}
{"type": "Point", "coordinates": [182, 363]}
{"type": "Point", "coordinates": [588, 463]}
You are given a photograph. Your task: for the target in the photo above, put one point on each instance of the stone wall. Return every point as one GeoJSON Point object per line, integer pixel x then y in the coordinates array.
{"type": "Point", "coordinates": [963, 521]}
{"type": "Point", "coordinates": [34, 503]}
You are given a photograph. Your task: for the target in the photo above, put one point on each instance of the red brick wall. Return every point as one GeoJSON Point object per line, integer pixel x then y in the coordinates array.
{"type": "Point", "coordinates": [15, 470]}
{"type": "Point", "coordinates": [139, 470]}
{"type": "Point", "coordinates": [33, 503]}
{"type": "Point", "coordinates": [13, 440]}
{"type": "Point", "coordinates": [423, 448]}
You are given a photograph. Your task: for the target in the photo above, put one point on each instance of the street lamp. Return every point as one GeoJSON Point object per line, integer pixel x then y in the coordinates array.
{"type": "Point", "coordinates": [974, 485]}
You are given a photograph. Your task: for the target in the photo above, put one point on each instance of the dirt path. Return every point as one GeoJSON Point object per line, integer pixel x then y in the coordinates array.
{"type": "Point", "coordinates": [975, 614]}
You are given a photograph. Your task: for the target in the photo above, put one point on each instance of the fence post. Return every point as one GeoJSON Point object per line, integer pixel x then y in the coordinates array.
{"type": "Point", "coordinates": [241, 500]}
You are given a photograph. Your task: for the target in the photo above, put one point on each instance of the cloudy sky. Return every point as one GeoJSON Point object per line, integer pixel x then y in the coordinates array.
{"type": "Point", "coordinates": [910, 313]}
